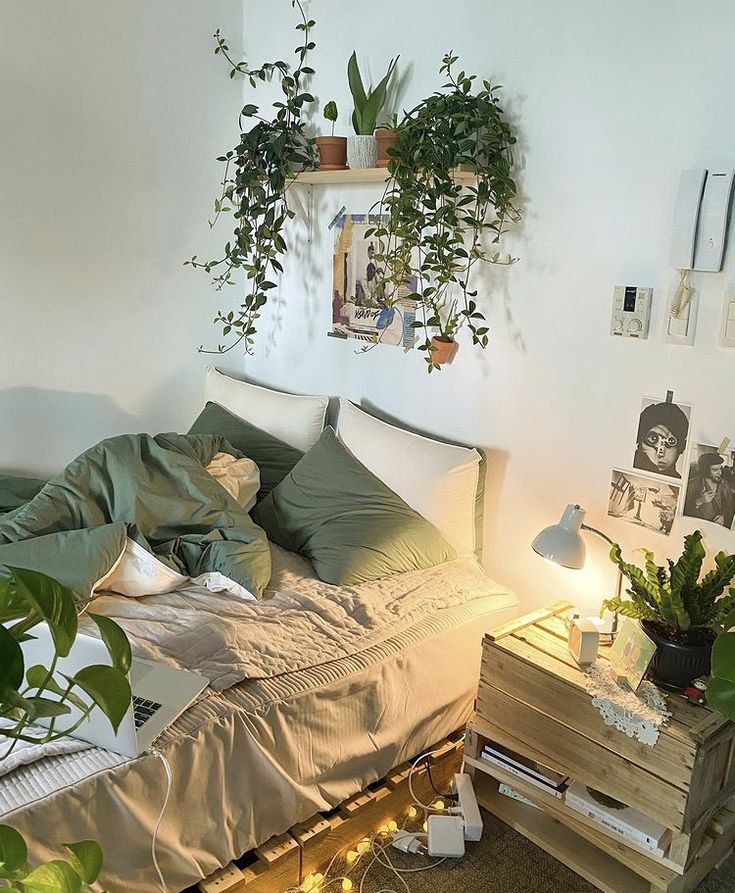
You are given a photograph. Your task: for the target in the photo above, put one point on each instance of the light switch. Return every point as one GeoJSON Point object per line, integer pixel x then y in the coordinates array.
{"type": "Point", "coordinates": [727, 326]}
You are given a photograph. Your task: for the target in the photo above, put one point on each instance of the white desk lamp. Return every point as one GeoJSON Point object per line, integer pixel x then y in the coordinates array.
{"type": "Point", "coordinates": [563, 543]}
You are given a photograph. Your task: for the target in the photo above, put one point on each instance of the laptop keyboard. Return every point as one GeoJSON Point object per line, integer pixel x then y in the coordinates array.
{"type": "Point", "coordinates": [143, 710]}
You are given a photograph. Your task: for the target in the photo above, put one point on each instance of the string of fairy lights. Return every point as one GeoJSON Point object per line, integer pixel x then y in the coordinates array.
{"type": "Point", "coordinates": [350, 867]}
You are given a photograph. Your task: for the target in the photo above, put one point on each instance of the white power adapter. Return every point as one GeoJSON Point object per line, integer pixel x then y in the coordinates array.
{"type": "Point", "coordinates": [446, 836]}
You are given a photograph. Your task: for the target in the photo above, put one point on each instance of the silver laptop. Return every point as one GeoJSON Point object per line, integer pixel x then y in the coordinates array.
{"type": "Point", "coordinates": [160, 694]}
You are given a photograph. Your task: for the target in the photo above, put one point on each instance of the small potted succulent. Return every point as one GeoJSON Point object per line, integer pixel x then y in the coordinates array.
{"type": "Point", "coordinates": [362, 149]}
{"type": "Point", "coordinates": [681, 612]}
{"type": "Point", "coordinates": [332, 149]}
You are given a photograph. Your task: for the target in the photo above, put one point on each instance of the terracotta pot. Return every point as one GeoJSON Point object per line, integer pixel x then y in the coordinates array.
{"type": "Point", "coordinates": [443, 351]}
{"type": "Point", "coordinates": [362, 152]}
{"type": "Point", "coordinates": [332, 153]}
{"type": "Point", "coordinates": [384, 137]}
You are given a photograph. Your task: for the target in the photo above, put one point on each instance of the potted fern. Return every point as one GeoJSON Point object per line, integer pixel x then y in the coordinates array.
{"type": "Point", "coordinates": [679, 611]}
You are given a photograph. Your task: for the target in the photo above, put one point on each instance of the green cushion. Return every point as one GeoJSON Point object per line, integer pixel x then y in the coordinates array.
{"type": "Point", "coordinates": [273, 457]}
{"type": "Point", "coordinates": [334, 511]}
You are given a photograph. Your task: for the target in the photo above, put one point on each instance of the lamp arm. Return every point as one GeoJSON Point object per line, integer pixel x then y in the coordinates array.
{"type": "Point", "coordinates": [604, 536]}
{"type": "Point", "coordinates": [599, 533]}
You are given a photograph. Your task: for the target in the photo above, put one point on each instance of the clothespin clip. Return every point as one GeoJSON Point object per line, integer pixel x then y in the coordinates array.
{"type": "Point", "coordinates": [669, 396]}
{"type": "Point", "coordinates": [337, 217]}
{"type": "Point", "coordinates": [722, 448]}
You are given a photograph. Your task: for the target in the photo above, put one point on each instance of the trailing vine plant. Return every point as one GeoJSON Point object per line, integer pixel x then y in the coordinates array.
{"type": "Point", "coordinates": [258, 173]}
{"type": "Point", "coordinates": [433, 229]}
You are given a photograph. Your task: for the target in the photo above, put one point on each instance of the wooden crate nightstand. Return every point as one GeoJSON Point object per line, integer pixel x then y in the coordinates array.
{"type": "Point", "coordinates": [532, 699]}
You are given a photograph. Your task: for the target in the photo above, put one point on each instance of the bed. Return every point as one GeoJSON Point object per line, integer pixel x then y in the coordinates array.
{"type": "Point", "coordinates": [317, 691]}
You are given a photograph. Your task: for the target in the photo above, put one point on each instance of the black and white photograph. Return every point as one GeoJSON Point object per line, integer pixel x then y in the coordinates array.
{"type": "Point", "coordinates": [645, 501]}
{"type": "Point", "coordinates": [663, 430]}
{"type": "Point", "coordinates": [711, 485]}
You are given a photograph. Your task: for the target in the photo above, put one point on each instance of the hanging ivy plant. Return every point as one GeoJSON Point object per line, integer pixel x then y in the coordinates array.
{"type": "Point", "coordinates": [434, 230]}
{"type": "Point", "coordinates": [258, 173]}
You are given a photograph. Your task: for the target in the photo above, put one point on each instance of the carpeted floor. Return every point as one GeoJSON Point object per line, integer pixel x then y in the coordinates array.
{"type": "Point", "coordinates": [505, 862]}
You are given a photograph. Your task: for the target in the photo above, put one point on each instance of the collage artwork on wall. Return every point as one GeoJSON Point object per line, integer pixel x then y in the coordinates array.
{"type": "Point", "coordinates": [652, 494]}
{"type": "Point", "coordinates": [357, 308]}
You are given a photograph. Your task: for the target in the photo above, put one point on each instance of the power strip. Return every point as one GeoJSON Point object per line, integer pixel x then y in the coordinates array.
{"type": "Point", "coordinates": [468, 806]}
{"type": "Point", "coordinates": [221, 880]}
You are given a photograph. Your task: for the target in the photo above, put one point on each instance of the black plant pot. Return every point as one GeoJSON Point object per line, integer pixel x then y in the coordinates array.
{"type": "Point", "coordinates": [675, 666]}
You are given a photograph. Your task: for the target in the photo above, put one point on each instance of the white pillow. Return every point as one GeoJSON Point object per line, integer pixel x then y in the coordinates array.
{"type": "Point", "coordinates": [438, 480]}
{"type": "Point", "coordinates": [297, 421]}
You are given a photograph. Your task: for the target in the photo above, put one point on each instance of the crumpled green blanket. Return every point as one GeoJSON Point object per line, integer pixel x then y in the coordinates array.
{"type": "Point", "coordinates": [155, 490]}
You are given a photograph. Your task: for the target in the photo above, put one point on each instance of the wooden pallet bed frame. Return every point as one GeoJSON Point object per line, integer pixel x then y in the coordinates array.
{"type": "Point", "coordinates": [308, 847]}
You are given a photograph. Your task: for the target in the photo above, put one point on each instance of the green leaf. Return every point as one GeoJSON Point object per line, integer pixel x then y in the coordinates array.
{"type": "Point", "coordinates": [53, 877]}
{"type": "Point", "coordinates": [721, 696]}
{"type": "Point", "coordinates": [355, 81]}
{"type": "Point", "coordinates": [330, 111]}
{"type": "Point", "coordinates": [108, 688]}
{"type": "Point", "coordinates": [723, 657]}
{"type": "Point", "coordinates": [47, 707]}
{"type": "Point", "coordinates": [13, 849]}
{"type": "Point", "coordinates": [115, 640]}
{"type": "Point", "coordinates": [86, 859]}
{"type": "Point", "coordinates": [11, 661]}
{"type": "Point", "coordinates": [53, 602]}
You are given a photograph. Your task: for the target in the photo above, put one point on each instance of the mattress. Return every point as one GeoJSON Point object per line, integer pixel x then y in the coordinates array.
{"type": "Point", "coordinates": [251, 760]}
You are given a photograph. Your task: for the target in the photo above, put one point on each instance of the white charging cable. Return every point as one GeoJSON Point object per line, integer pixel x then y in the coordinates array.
{"type": "Point", "coordinates": [169, 782]}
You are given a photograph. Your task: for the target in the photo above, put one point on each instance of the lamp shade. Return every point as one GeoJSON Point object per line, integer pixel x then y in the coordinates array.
{"type": "Point", "coordinates": [562, 543]}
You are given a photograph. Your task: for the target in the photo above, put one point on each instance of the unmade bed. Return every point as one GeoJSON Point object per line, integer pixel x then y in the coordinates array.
{"type": "Point", "coordinates": [320, 690]}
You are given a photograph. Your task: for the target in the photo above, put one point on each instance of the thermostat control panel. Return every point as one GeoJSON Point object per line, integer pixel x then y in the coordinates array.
{"type": "Point", "coordinates": [631, 312]}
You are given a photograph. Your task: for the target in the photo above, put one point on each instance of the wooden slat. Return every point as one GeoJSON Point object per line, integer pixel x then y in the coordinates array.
{"type": "Point", "coordinates": [551, 667]}
{"type": "Point", "coordinates": [670, 759]}
{"type": "Point", "coordinates": [461, 174]}
{"type": "Point", "coordinates": [658, 871]}
{"type": "Point", "coordinates": [527, 620]}
{"type": "Point", "coordinates": [558, 747]}
{"type": "Point", "coordinates": [587, 860]}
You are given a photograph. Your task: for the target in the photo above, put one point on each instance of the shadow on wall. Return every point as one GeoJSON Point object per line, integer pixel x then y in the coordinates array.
{"type": "Point", "coordinates": [43, 430]}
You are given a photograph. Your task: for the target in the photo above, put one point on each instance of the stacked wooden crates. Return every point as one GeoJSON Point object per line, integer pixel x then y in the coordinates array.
{"type": "Point", "coordinates": [532, 699]}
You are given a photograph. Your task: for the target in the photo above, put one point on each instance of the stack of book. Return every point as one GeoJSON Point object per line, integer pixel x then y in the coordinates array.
{"type": "Point", "coordinates": [624, 821]}
{"type": "Point", "coordinates": [526, 770]}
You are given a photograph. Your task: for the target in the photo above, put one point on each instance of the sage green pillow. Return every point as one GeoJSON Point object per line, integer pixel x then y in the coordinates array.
{"type": "Point", "coordinates": [273, 457]}
{"type": "Point", "coordinates": [353, 527]}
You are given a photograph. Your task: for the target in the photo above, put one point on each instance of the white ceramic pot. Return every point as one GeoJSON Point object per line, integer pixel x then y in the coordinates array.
{"type": "Point", "coordinates": [362, 152]}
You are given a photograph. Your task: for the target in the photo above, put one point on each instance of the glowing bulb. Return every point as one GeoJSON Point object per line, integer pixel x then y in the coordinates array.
{"type": "Point", "coordinates": [425, 826]}
{"type": "Point", "coordinates": [308, 883]}
{"type": "Point", "coordinates": [393, 825]}
{"type": "Point", "coordinates": [383, 829]}
{"type": "Point", "coordinates": [363, 846]}
{"type": "Point", "coordinates": [412, 812]}
{"type": "Point", "coordinates": [352, 856]}
{"type": "Point", "coordinates": [318, 878]}
{"type": "Point", "coordinates": [346, 885]}
{"type": "Point", "coordinates": [438, 804]}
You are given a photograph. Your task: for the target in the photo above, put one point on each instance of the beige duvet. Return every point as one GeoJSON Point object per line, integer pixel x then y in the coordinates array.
{"type": "Point", "coordinates": [317, 692]}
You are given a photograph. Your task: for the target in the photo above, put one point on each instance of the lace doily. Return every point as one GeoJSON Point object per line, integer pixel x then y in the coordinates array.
{"type": "Point", "coordinates": [639, 714]}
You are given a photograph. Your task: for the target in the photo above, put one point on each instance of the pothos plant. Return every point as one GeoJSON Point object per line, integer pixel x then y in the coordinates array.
{"type": "Point", "coordinates": [27, 694]}
{"type": "Point", "coordinates": [257, 176]}
{"type": "Point", "coordinates": [433, 230]}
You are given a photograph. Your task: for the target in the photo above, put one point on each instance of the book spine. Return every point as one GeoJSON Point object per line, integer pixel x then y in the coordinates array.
{"type": "Point", "coordinates": [529, 779]}
{"type": "Point", "coordinates": [621, 828]}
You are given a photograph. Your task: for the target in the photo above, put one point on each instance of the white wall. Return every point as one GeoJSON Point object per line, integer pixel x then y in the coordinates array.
{"type": "Point", "coordinates": [112, 116]}
{"type": "Point", "coordinates": [611, 101]}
